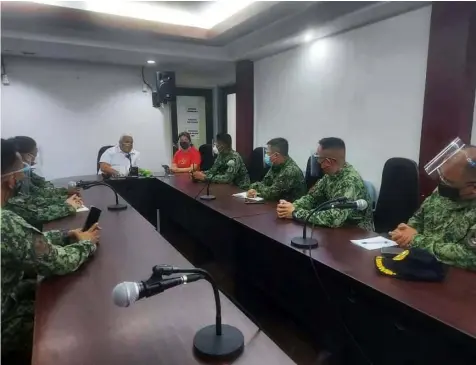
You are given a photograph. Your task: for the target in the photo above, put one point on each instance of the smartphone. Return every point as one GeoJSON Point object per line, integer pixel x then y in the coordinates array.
{"type": "Point", "coordinates": [93, 217]}
{"type": "Point", "coordinates": [391, 251]}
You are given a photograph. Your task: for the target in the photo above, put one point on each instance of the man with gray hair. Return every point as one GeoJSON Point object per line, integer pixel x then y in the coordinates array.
{"type": "Point", "coordinates": [117, 160]}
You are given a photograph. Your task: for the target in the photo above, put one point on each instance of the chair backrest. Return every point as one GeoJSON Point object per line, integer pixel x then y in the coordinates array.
{"type": "Point", "coordinates": [256, 167]}
{"type": "Point", "coordinates": [372, 193]}
{"type": "Point", "coordinates": [207, 156]}
{"type": "Point", "coordinates": [100, 152]}
{"type": "Point", "coordinates": [312, 180]}
{"type": "Point", "coordinates": [399, 194]}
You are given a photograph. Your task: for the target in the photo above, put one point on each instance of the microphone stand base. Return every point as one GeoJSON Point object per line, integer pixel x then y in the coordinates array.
{"type": "Point", "coordinates": [117, 207]}
{"type": "Point", "coordinates": [305, 243]}
{"type": "Point", "coordinates": [227, 347]}
{"type": "Point", "coordinates": [208, 197]}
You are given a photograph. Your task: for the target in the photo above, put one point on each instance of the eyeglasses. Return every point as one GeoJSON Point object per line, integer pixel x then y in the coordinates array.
{"type": "Point", "coordinates": [26, 168]}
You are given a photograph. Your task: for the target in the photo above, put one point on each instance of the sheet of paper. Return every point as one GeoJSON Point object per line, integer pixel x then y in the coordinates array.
{"type": "Point", "coordinates": [374, 243]}
{"type": "Point", "coordinates": [82, 209]}
{"type": "Point", "coordinates": [243, 195]}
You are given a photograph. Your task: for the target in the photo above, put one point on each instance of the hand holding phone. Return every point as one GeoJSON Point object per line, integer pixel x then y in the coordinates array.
{"type": "Point", "coordinates": [90, 235]}
{"type": "Point", "coordinates": [93, 217]}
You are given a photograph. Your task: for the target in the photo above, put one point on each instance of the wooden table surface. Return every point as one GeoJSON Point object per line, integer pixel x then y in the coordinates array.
{"type": "Point", "coordinates": [225, 203]}
{"type": "Point", "coordinates": [451, 302]}
{"type": "Point", "coordinates": [76, 321]}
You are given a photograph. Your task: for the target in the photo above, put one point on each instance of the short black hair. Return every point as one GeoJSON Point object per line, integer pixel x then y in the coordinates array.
{"type": "Point", "coordinates": [224, 138]}
{"type": "Point", "coordinates": [185, 134]}
{"type": "Point", "coordinates": [24, 144]}
{"type": "Point", "coordinates": [9, 155]}
{"type": "Point", "coordinates": [280, 144]}
{"type": "Point", "coordinates": [332, 143]}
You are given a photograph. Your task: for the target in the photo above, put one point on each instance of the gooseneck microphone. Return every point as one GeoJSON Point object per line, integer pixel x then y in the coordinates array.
{"type": "Point", "coordinates": [215, 342]}
{"type": "Point", "coordinates": [207, 196]}
{"type": "Point", "coordinates": [89, 184]}
{"type": "Point", "coordinates": [127, 293]}
{"type": "Point", "coordinates": [338, 203]}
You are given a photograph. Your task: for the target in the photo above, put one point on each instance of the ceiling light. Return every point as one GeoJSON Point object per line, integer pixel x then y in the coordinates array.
{"type": "Point", "coordinates": [308, 36]}
{"type": "Point", "coordinates": [215, 13]}
{"type": "Point", "coordinates": [151, 62]}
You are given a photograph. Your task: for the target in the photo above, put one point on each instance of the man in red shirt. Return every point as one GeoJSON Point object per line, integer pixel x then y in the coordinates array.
{"type": "Point", "coordinates": [187, 158]}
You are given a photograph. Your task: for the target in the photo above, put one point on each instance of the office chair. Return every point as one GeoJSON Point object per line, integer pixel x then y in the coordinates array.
{"type": "Point", "coordinates": [100, 152]}
{"type": "Point", "coordinates": [399, 194]}
{"type": "Point", "coordinates": [256, 167]}
{"type": "Point", "coordinates": [207, 156]}
{"type": "Point", "coordinates": [372, 193]}
{"type": "Point", "coordinates": [310, 179]}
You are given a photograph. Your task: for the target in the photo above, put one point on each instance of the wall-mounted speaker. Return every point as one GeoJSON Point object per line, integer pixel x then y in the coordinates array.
{"type": "Point", "coordinates": [165, 82]}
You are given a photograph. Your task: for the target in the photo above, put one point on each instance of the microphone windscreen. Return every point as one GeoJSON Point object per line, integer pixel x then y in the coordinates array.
{"type": "Point", "coordinates": [361, 204]}
{"type": "Point", "coordinates": [126, 293]}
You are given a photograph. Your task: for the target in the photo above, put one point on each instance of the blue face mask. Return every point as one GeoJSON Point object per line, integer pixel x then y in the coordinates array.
{"type": "Point", "coordinates": [267, 160]}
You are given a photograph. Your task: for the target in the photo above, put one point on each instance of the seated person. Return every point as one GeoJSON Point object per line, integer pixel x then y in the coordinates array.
{"type": "Point", "coordinates": [340, 180]}
{"type": "Point", "coordinates": [36, 200]}
{"type": "Point", "coordinates": [284, 180]}
{"type": "Point", "coordinates": [118, 160]}
{"type": "Point", "coordinates": [228, 168]}
{"type": "Point", "coordinates": [187, 158]}
{"type": "Point", "coordinates": [26, 252]}
{"type": "Point", "coordinates": [445, 224]}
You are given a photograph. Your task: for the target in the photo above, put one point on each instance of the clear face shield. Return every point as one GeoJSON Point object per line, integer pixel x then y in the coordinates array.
{"type": "Point", "coordinates": [450, 168]}
{"type": "Point", "coordinates": [442, 167]}
{"type": "Point", "coordinates": [35, 162]}
{"type": "Point", "coordinates": [22, 180]}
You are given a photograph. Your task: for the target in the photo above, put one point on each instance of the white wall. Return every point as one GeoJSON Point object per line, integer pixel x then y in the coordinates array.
{"type": "Point", "coordinates": [72, 109]}
{"type": "Point", "coordinates": [365, 86]}
{"type": "Point", "coordinates": [231, 117]}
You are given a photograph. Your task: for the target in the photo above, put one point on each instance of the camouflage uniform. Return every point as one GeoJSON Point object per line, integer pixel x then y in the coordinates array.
{"type": "Point", "coordinates": [229, 168]}
{"type": "Point", "coordinates": [39, 185]}
{"type": "Point", "coordinates": [26, 253]}
{"type": "Point", "coordinates": [285, 181]}
{"type": "Point", "coordinates": [346, 183]}
{"type": "Point", "coordinates": [42, 203]}
{"type": "Point", "coordinates": [38, 209]}
{"type": "Point", "coordinates": [447, 229]}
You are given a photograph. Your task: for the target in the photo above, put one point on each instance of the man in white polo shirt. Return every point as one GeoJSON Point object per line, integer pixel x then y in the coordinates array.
{"type": "Point", "coordinates": [117, 160]}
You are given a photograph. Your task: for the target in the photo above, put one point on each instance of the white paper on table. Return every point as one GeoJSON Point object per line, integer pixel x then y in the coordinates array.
{"type": "Point", "coordinates": [374, 243]}
{"type": "Point", "coordinates": [243, 195]}
{"type": "Point", "coordinates": [82, 209]}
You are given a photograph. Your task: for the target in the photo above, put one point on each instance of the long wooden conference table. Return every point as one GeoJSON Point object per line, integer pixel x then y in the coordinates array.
{"type": "Point", "coordinates": [76, 321]}
{"type": "Point", "coordinates": [336, 294]}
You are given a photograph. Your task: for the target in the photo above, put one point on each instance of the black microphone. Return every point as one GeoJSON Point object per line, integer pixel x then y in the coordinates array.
{"type": "Point", "coordinates": [127, 293]}
{"type": "Point", "coordinates": [89, 184]}
{"type": "Point", "coordinates": [207, 196]}
{"type": "Point", "coordinates": [214, 342]}
{"type": "Point", "coordinates": [128, 156]}
{"type": "Point", "coordinates": [338, 203]}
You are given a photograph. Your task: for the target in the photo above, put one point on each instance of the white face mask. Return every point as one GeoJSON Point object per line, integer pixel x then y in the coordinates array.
{"type": "Point", "coordinates": [215, 150]}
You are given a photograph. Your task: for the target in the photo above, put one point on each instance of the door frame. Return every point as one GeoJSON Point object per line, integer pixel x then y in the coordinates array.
{"type": "Point", "coordinates": [224, 91]}
{"type": "Point", "coordinates": [185, 91]}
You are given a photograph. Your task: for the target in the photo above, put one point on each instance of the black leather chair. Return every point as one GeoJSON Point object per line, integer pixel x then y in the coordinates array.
{"type": "Point", "coordinates": [311, 180]}
{"type": "Point", "coordinates": [399, 194]}
{"type": "Point", "coordinates": [207, 156]}
{"type": "Point", "coordinates": [256, 167]}
{"type": "Point", "coordinates": [100, 152]}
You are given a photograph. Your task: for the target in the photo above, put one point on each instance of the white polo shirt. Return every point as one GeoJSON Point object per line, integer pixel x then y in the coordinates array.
{"type": "Point", "coordinates": [118, 160]}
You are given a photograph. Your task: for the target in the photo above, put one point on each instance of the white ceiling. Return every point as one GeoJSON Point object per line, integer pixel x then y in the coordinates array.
{"type": "Point", "coordinates": [260, 30]}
